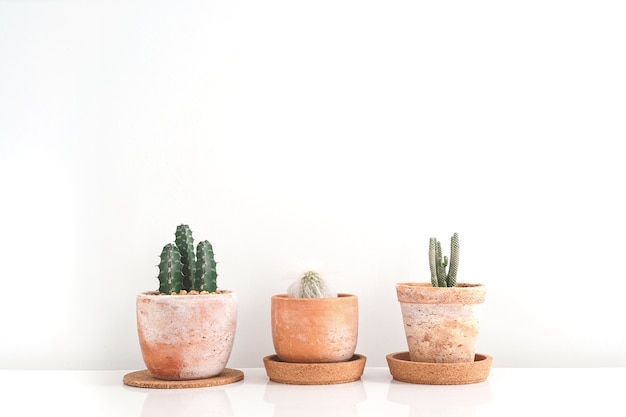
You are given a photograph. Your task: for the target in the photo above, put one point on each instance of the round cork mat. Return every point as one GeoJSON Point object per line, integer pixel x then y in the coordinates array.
{"type": "Point", "coordinates": [143, 379]}
{"type": "Point", "coordinates": [404, 370]}
{"type": "Point", "coordinates": [314, 373]}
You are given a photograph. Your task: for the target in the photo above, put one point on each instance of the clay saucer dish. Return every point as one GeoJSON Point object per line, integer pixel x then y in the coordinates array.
{"type": "Point", "coordinates": [404, 370]}
{"type": "Point", "coordinates": [314, 373]}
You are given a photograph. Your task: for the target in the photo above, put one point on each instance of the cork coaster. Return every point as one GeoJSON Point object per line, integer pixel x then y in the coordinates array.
{"type": "Point", "coordinates": [404, 370]}
{"type": "Point", "coordinates": [314, 373]}
{"type": "Point", "coordinates": [143, 379]}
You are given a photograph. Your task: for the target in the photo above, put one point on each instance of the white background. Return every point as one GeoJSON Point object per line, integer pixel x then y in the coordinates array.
{"type": "Point", "coordinates": [337, 135]}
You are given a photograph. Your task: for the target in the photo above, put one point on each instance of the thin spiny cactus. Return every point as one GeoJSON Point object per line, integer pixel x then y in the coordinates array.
{"type": "Point", "coordinates": [441, 267]}
{"type": "Point", "coordinates": [454, 260]}
{"type": "Point", "coordinates": [432, 261]}
{"type": "Point", "coordinates": [438, 275]}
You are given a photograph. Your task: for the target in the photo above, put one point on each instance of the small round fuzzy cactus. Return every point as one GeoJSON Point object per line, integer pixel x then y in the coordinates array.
{"type": "Point", "coordinates": [438, 275]}
{"type": "Point", "coordinates": [311, 285]}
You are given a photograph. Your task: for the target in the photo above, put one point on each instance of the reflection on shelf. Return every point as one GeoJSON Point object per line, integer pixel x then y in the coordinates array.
{"type": "Point", "coordinates": [190, 402]}
{"type": "Point", "coordinates": [315, 400]}
{"type": "Point", "coordinates": [440, 400]}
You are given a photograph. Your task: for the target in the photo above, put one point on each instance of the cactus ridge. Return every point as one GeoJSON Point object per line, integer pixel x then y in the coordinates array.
{"type": "Point", "coordinates": [311, 285]}
{"type": "Point", "coordinates": [184, 242]}
{"type": "Point", "coordinates": [438, 275]}
{"type": "Point", "coordinates": [170, 270]}
{"type": "Point", "coordinates": [205, 277]}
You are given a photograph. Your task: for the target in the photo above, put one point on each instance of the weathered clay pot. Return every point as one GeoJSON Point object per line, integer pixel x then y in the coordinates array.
{"type": "Point", "coordinates": [186, 336]}
{"type": "Point", "coordinates": [315, 330]}
{"type": "Point", "coordinates": [441, 324]}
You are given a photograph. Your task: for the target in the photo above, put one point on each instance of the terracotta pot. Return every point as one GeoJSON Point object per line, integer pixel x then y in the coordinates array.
{"type": "Point", "coordinates": [441, 324]}
{"type": "Point", "coordinates": [186, 336]}
{"type": "Point", "coordinates": [315, 330]}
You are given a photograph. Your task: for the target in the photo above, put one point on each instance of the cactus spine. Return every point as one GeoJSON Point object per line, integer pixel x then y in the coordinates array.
{"type": "Point", "coordinates": [179, 269]}
{"type": "Point", "coordinates": [311, 285]}
{"type": "Point", "coordinates": [438, 275]}
{"type": "Point", "coordinates": [170, 270]}
{"type": "Point", "coordinates": [205, 277]}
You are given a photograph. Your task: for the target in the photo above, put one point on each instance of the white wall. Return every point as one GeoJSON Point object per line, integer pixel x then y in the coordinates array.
{"type": "Point", "coordinates": [339, 135]}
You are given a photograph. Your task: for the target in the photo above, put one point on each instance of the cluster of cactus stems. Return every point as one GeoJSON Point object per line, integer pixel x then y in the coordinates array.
{"type": "Point", "coordinates": [438, 275]}
{"type": "Point", "coordinates": [182, 269]}
{"type": "Point", "coordinates": [311, 285]}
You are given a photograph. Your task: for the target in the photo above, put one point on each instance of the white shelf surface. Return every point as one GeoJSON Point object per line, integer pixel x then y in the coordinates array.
{"type": "Point", "coordinates": [507, 392]}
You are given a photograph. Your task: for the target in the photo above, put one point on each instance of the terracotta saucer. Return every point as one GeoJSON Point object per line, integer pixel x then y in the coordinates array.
{"type": "Point", "coordinates": [143, 379]}
{"type": "Point", "coordinates": [404, 370]}
{"type": "Point", "coordinates": [314, 373]}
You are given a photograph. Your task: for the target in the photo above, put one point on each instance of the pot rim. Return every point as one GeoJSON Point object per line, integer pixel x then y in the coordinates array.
{"type": "Point", "coordinates": [313, 300]}
{"type": "Point", "coordinates": [156, 294]}
{"type": "Point", "coordinates": [425, 293]}
{"type": "Point", "coordinates": [460, 285]}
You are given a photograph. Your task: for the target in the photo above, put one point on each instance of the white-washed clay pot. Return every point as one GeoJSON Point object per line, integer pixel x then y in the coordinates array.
{"type": "Point", "coordinates": [441, 324]}
{"type": "Point", "coordinates": [184, 337]}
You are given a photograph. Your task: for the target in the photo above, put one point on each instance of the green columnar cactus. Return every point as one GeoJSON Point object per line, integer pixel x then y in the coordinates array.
{"type": "Point", "coordinates": [438, 275]}
{"type": "Point", "coordinates": [179, 270]}
{"type": "Point", "coordinates": [170, 270]}
{"type": "Point", "coordinates": [311, 285]}
{"type": "Point", "coordinates": [205, 275]}
{"type": "Point", "coordinates": [184, 242]}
